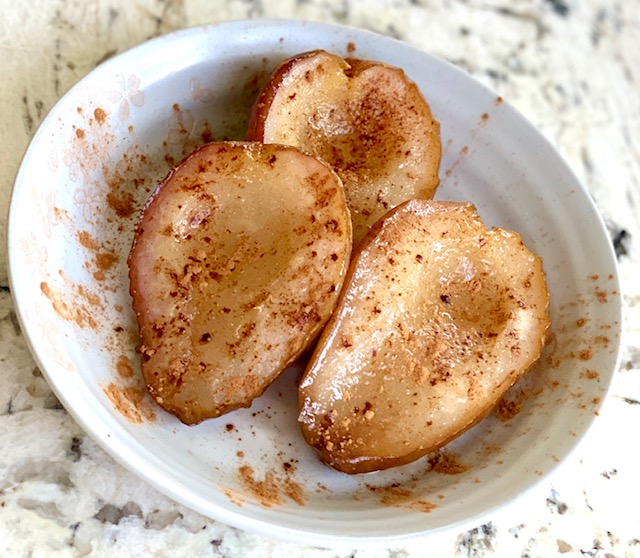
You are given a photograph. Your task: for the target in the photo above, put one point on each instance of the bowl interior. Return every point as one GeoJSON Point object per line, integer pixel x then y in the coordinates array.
{"type": "Point", "coordinates": [113, 137]}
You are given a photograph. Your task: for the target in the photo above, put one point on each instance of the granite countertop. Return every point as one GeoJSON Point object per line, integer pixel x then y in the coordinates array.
{"type": "Point", "coordinates": [571, 67]}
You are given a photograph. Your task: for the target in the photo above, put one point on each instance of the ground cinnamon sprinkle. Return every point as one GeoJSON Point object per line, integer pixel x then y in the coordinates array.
{"type": "Point", "coordinates": [123, 366]}
{"type": "Point", "coordinates": [90, 297]}
{"type": "Point", "coordinates": [233, 498]}
{"type": "Point", "coordinates": [106, 260]}
{"type": "Point", "coordinates": [103, 259]}
{"type": "Point", "coordinates": [398, 497]}
{"type": "Point", "coordinates": [589, 374]}
{"type": "Point", "coordinates": [100, 115]}
{"type": "Point", "coordinates": [270, 490]}
{"type": "Point", "coordinates": [585, 354]}
{"type": "Point", "coordinates": [76, 313]}
{"type": "Point", "coordinates": [506, 409]}
{"type": "Point", "coordinates": [87, 241]}
{"type": "Point", "coordinates": [446, 463]}
{"type": "Point", "coordinates": [294, 491]}
{"type": "Point", "coordinates": [130, 403]}
{"type": "Point", "coordinates": [266, 491]}
{"type": "Point", "coordinates": [492, 449]}
{"type": "Point", "coordinates": [123, 205]}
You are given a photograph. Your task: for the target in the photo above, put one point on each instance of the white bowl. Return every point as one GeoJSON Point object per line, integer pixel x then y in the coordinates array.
{"type": "Point", "coordinates": [108, 142]}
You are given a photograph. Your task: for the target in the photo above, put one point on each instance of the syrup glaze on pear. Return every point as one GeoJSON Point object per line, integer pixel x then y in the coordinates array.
{"type": "Point", "coordinates": [367, 119]}
{"type": "Point", "coordinates": [439, 316]}
{"type": "Point", "coordinates": [235, 267]}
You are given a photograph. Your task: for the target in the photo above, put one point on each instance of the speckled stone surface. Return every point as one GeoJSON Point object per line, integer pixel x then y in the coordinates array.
{"type": "Point", "coordinates": [571, 67]}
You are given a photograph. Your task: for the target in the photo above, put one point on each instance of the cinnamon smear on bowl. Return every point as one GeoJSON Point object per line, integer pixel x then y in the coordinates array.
{"type": "Point", "coordinates": [397, 497]}
{"type": "Point", "coordinates": [100, 115]}
{"type": "Point", "coordinates": [131, 402]}
{"type": "Point", "coordinates": [409, 495]}
{"type": "Point", "coordinates": [446, 463]}
{"type": "Point", "coordinates": [267, 491]}
{"type": "Point", "coordinates": [270, 490]}
{"type": "Point", "coordinates": [74, 303]}
{"type": "Point", "coordinates": [102, 258]}
{"type": "Point", "coordinates": [510, 405]}
{"type": "Point", "coordinates": [124, 368]}
{"type": "Point", "coordinates": [574, 341]}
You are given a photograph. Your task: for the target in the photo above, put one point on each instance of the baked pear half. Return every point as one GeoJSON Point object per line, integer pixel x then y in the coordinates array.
{"type": "Point", "coordinates": [236, 265]}
{"type": "Point", "coordinates": [367, 119]}
{"type": "Point", "coordinates": [438, 318]}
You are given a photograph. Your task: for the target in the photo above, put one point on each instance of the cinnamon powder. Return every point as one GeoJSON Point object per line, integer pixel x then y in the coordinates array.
{"type": "Point", "coordinates": [399, 497]}
{"type": "Point", "coordinates": [266, 491]}
{"type": "Point", "coordinates": [272, 488]}
{"type": "Point", "coordinates": [130, 403]}
{"type": "Point", "coordinates": [446, 463]}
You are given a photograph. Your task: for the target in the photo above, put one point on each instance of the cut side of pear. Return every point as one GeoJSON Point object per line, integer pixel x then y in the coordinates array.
{"type": "Point", "coordinates": [367, 119]}
{"type": "Point", "coordinates": [236, 265]}
{"type": "Point", "coordinates": [438, 318]}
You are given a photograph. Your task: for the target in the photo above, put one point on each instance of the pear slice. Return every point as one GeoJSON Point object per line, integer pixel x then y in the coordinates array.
{"type": "Point", "coordinates": [367, 119]}
{"type": "Point", "coordinates": [236, 265]}
{"type": "Point", "coordinates": [438, 318]}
